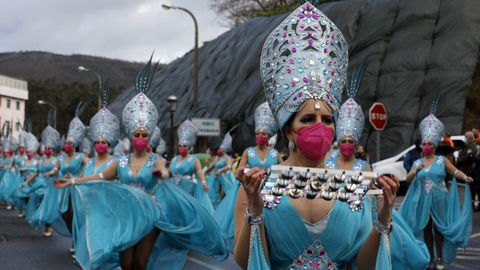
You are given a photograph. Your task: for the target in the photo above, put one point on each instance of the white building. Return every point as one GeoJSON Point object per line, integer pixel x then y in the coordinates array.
{"type": "Point", "coordinates": [13, 96]}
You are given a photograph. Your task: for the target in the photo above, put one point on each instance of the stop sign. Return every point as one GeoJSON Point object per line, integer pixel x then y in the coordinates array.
{"type": "Point", "coordinates": [378, 116]}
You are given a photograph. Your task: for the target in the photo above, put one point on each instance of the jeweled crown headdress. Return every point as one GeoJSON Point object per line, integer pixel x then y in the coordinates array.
{"type": "Point", "coordinates": [162, 147]}
{"type": "Point", "coordinates": [431, 128]}
{"type": "Point", "coordinates": [264, 119]}
{"type": "Point", "coordinates": [104, 124]}
{"type": "Point", "coordinates": [140, 112]}
{"type": "Point", "coordinates": [50, 136]}
{"type": "Point", "coordinates": [155, 138]}
{"type": "Point", "coordinates": [31, 142]}
{"type": "Point", "coordinates": [187, 133]}
{"type": "Point", "coordinates": [227, 143]}
{"type": "Point", "coordinates": [273, 140]}
{"type": "Point", "coordinates": [305, 57]}
{"type": "Point", "coordinates": [76, 128]}
{"type": "Point", "coordinates": [351, 118]}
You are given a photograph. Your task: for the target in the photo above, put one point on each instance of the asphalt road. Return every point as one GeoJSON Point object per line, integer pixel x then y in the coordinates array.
{"type": "Point", "coordinates": [23, 248]}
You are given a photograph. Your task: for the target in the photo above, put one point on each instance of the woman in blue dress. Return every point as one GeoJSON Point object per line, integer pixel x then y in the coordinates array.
{"type": "Point", "coordinates": [186, 170]}
{"type": "Point", "coordinates": [432, 211]}
{"type": "Point", "coordinates": [6, 183]}
{"type": "Point", "coordinates": [261, 155]}
{"type": "Point", "coordinates": [32, 188]}
{"type": "Point", "coordinates": [406, 251]}
{"type": "Point", "coordinates": [304, 67]}
{"type": "Point", "coordinates": [220, 178]}
{"type": "Point", "coordinates": [49, 209]}
{"type": "Point", "coordinates": [151, 223]}
{"type": "Point", "coordinates": [71, 166]}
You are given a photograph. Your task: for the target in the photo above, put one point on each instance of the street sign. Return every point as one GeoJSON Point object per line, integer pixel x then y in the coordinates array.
{"type": "Point", "coordinates": [378, 116]}
{"type": "Point", "coordinates": [207, 126]}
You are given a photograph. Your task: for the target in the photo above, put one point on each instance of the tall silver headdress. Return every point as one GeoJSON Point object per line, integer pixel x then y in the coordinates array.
{"type": "Point", "coordinates": [162, 147]}
{"type": "Point", "coordinates": [21, 138]}
{"type": "Point", "coordinates": [118, 150]}
{"type": "Point", "coordinates": [140, 112]}
{"type": "Point", "coordinates": [187, 133]}
{"type": "Point", "coordinates": [227, 143]}
{"type": "Point", "coordinates": [31, 142]}
{"type": "Point", "coordinates": [50, 136]}
{"type": "Point", "coordinates": [76, 128]}
{"type": "Point", "coordinates": [431, 128]}
{"type": "Point", "coordinates": [264, 119]}
{"type": "Point", "coordinates": [104, 124]}
{"type": "Point", "coordinates": [273, 140]}
{"type": "Point", "coordinates": [87, 145]}
{"type": "Point", "coordinates": [351, 118]}
{"type": "Point", "coordinates": [7, 144]}
{"type": "Point", "coordinates": [305, 57]}
{"type": "Point", "coordinates": [155, 138]}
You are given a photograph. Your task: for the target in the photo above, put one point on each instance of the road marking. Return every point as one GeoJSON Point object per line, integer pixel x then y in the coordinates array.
{"type": "Point", "coordinates": [459, 266]}
{"type": "Point", "coordinates": [202, 263]}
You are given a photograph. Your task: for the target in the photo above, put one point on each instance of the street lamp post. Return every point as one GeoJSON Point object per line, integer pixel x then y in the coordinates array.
{"type": "Point", "coordinates": [42, 102]}
{"type": "Point", "coordinates": [81, 69]}
{"type": "Point", "coordinates": [196, 86]}
{"type": "Point", "coordinates": [172, 102]}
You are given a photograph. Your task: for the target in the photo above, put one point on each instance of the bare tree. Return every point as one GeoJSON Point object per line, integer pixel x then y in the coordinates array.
{"type": "Point", "coordinates": [239, 11]}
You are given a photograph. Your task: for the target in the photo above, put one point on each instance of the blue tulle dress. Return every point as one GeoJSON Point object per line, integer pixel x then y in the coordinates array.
{"type": "Point", "coordinates": [112, 217]}
{"type": "Point", "coordinates": [184, 176]}
{"type": "Point", "coordinates": [407, 252]}
{"type": "Point", "coordinates": [6, 182]}
{"type": "Point", "coordinates": [12, 180]}
{"type": "Point", "coordinates": [224, 181]}
{"type": "Point", "coordinates": [34, 191]}
{"type": "Point", "coordinates": [428, 198]}
{"type": "Point", "coordinates": [49, 209]}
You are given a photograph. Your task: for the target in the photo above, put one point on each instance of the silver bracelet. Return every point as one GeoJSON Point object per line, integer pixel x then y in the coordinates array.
{"type": "Point", "coordinates": [455, 173]}
{"type": "Point", "coordinates": [101, 176]}
{"type": "Point", "coordinates": [251, 219]}
{"type": "Point", "coordinates": [383, 229]}
{"type": "Point", "coordinates": [72, 181]}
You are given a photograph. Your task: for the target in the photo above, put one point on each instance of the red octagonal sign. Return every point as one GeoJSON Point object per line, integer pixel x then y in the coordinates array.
{"type": "Point", "coordinates": [378, 116]}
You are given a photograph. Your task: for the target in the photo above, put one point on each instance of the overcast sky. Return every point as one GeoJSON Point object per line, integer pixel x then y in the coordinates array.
{"type": "Point", "coordinates": [122, 29]}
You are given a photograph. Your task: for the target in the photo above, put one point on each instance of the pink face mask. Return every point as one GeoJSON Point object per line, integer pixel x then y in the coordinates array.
{"type": "Point", "coordinates": [183, 151]}
{"type": "Point", "coordinates": [30, 154]}
{"type": "Point", "coordinates": [347, 149]}
{"type": "Point", "coordinates": [68, 148]}
{"type": "Point", "coordinates": [139, 144]}
{"type": "Point", "coordinates": [219, 152]}
{"type": "Point", "coordinates": [101, 148]}
{"type": "Point", "coordinates": [21, 150]}
{"type": "Point", "coordinates": [314, 141]}
{"type": "Point", "coordinates": [261, 140]}
{"type": "Point", "coordinates": [48, 152]}
{"type": "Point", "coordinates": [427, 149]}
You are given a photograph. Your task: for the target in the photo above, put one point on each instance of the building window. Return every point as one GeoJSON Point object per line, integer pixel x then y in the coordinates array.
{"type": "Point", "coordinates": [8, 103]}
{"type": "Point", "coordinates": [17, 104]}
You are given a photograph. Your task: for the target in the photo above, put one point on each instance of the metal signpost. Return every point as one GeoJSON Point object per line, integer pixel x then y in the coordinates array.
{"type": "Point", "coordinates": [378, 118]}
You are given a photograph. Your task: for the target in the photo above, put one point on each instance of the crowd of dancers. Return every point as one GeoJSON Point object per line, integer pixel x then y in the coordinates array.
{"type": "Point", "coordinates": [127, 207]}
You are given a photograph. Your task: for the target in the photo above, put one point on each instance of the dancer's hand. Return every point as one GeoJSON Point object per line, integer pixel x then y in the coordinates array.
{"type": "Point", "coordinates": [62, 182]}
{"type": "Point", "coordinates": [252, 184]}
{"type": "Point", "coordinates": [387, 200]}
{"type": "Point", "coordinates": [205, 186]}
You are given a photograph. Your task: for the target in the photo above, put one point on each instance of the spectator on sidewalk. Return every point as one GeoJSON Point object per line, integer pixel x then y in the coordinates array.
{"type": "Point", "coordinates": [412, 155]}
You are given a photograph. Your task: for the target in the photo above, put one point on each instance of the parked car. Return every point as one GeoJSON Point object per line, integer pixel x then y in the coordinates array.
{"type": "Point", "coordinates": [394, 165]}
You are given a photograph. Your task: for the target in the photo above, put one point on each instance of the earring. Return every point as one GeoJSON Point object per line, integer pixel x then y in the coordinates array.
{"type": "Point", "coordinates": [291, 146]}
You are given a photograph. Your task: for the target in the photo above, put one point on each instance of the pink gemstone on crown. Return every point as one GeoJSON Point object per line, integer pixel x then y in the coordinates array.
{"type": "Point", "coordinates": [292, 84]}
{"type": "Point", "coordinates": [294, 50]}
{"type": "Point", "coordinates": [292, 61]}
{"type": "Point", "coordinates": [284, 34]}
{"type": "Point", "coordinates": [289, 71]}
